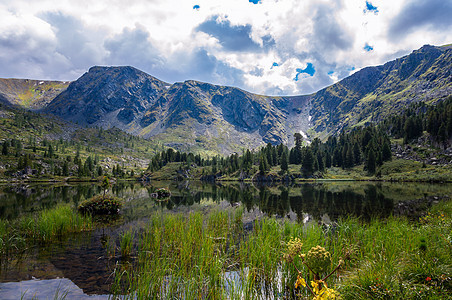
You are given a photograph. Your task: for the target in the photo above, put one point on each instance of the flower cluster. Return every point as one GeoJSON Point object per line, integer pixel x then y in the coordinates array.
{"type": "Point", "coordinates": [318, 261]}
{"type": "Point", "coordinates": [432, 217]}
{"type": "Point", "coordinates": [294, 246]}
{"type": "Point", "coordinates": [378, 290]}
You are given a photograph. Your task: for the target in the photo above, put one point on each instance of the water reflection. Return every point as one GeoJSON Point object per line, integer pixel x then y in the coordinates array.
{"type": "Point", "coordinates": [365, 200]}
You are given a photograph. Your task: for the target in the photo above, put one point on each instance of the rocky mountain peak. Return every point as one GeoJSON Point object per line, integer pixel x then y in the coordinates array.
{"type": "Point", "coordinates": [107, 94]}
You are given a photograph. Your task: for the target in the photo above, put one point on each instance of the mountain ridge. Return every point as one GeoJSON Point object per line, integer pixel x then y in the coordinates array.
{"type": "Point", "coordinates": [194, 115]}
{"type": "Point", "coordinates": [398, 82]}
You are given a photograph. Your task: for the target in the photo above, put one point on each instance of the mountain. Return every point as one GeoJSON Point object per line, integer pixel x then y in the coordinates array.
{"type": "Point", "coordinates": [200, 115]}
{"type": "Point", "coordinates": [209, 118]}
{"type": "Point", "coordinates": [107, 96]}
{"type": "Point", "coordinates": [186, 115]}
{"type": "Point", "coordinates": [31, 94]}
{"type": "Point", "coordinates": [375, 92]}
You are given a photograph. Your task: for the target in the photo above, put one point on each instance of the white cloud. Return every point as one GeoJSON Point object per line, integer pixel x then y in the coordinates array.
{"type": "Point", "coordinates": [166, 38]}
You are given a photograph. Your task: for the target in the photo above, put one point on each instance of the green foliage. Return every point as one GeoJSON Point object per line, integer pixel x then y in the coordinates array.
{"type": "Point", "coordinates": [284, 162]}
{"type": "Point", "coordinates": [193, 255]}
{"type": "Point", "coordinates": [263, 165]}
{"type": "Point", "coordinates": [52, 158]}
{"type": "Point", "coordinates": [419, 117]}
{"type": "Point", "coordinates": [101, 205]}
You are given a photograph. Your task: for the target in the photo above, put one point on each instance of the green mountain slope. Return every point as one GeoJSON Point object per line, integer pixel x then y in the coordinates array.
{"type": "Point", "coordinates": [375, 92]}
{"type": "Point", "coordinates": [44, 146]}
{"type": "Point", "coordinates": [31, 94]}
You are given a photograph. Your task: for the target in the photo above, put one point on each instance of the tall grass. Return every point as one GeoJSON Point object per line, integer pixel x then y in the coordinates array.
{"type": "Point", "coordinates": [126, 243]}
{"type": "Point", "coordinates": [213, 257]}
{"type": "Point", "coordinates": [390, 262]}
{"type": "Point", "coordinates": [43, 227]}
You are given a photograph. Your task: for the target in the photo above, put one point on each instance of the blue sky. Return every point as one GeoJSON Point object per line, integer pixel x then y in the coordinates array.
{"type": "Point", "coordinates": [276, 47]}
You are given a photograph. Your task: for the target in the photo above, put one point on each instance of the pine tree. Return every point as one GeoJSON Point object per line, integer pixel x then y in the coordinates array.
{"type": "Point", "coordinates": [297, 150]}
{"type": "Point", "coordinates": [50, 152]}
{"type": "Point", "coordinates": [321, 165]}
{"type": "Point", "coordinates": [337, 157]}
{"type": "Point", "coordinates": [263, 164]}
{"type": "Point", "coordinates": [349, 159]}
{"type": "Point", "coordinates": [386, 152]}
{"type": "Point", "coordinates": [371, 163]}
{"type": "Point", "coordinates": [356, 154]}
{"type": "Point", "coordinates": [247, 161]}
{"type": "Point", "coordinates": [65, 168]}
{"type": "Point", "coordinates": [100, 172]}
{"type": "Point", "coordinates": [81, 171]}
{"type": "Point", "coordinates": [284, 162]}
{"type": "Point", "coordinates": [328, 161]}
{"type": "Point", "coordinates": [308, 163]}
{"type": "Point", "coordinates": [5, 148]}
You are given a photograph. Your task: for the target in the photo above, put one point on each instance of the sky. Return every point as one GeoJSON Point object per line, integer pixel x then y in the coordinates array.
{"type": "Point", "coordinates": [271, 47]}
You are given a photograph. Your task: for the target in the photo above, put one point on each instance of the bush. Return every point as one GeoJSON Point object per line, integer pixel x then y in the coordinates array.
{"type": "Point", "coordinates": [162, 193]}
{"type": "Point", "coordinates": [101, 205]}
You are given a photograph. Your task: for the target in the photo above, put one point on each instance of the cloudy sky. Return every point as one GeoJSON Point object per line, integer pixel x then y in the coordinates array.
{"type": "Point", "coordinates": [275, 47]}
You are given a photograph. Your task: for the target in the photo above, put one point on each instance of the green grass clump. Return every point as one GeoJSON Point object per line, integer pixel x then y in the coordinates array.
{"type": "Point", "coordinates": [126, 243]}
{"type": "Point", "coordinates": [397, 259]}
{"type": "Point", "coordinates": [43, 227]}
{"type": "Point", "coordinates": [407, 170]}
{"type": "Point", "coordinates": [101, 205]}
{"type": "Point", "coordinates": [58, 221]}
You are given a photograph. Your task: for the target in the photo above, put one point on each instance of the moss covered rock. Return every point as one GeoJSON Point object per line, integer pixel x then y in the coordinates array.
{"type": "Point", "coordinates": [101, 205]}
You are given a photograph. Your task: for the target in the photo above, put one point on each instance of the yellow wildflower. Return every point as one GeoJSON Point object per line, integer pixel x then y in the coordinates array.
{"type": "Point", "coordinates": [300, 281]}
{"type": "Point", "coordinates": [315, 287]}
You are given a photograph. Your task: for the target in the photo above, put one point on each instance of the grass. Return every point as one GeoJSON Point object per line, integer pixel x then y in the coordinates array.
{"type": "Point", "coordinates": [126, 240]}
{"type": "Point", "coordinates": [407, 170]}
{"type": "Point", "coordinates": [215, 257]}
{"type": "Point", "coordinates": [392, 264]}
{"type": "Point", "coordinates": [43, 227]}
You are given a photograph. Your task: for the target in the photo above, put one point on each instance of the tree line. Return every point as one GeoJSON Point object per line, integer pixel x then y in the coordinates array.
{"type": "Point", "coordinates": [418, 118]}
{"type": "Point", "coordinates": [369, 146]}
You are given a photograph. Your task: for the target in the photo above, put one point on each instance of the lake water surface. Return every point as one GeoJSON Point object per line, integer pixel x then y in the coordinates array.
{"type": "Point", "coordinates": [79, 267]}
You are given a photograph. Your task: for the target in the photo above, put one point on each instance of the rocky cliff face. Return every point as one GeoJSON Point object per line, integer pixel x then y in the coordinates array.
{"type": "Point", "coordinates": [107, 96]}
{"type": "Point", "coordinates": [226, 119]}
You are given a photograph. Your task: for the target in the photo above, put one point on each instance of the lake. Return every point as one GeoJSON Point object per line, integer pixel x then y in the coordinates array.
{"type": "Point", "coordinates": [78, 265]}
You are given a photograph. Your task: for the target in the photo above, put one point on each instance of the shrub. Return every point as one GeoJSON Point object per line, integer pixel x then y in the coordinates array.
{"type": "Point", "coordinates": [162, 193]}
{"type": "Point", "coordinates": [101, 205]}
